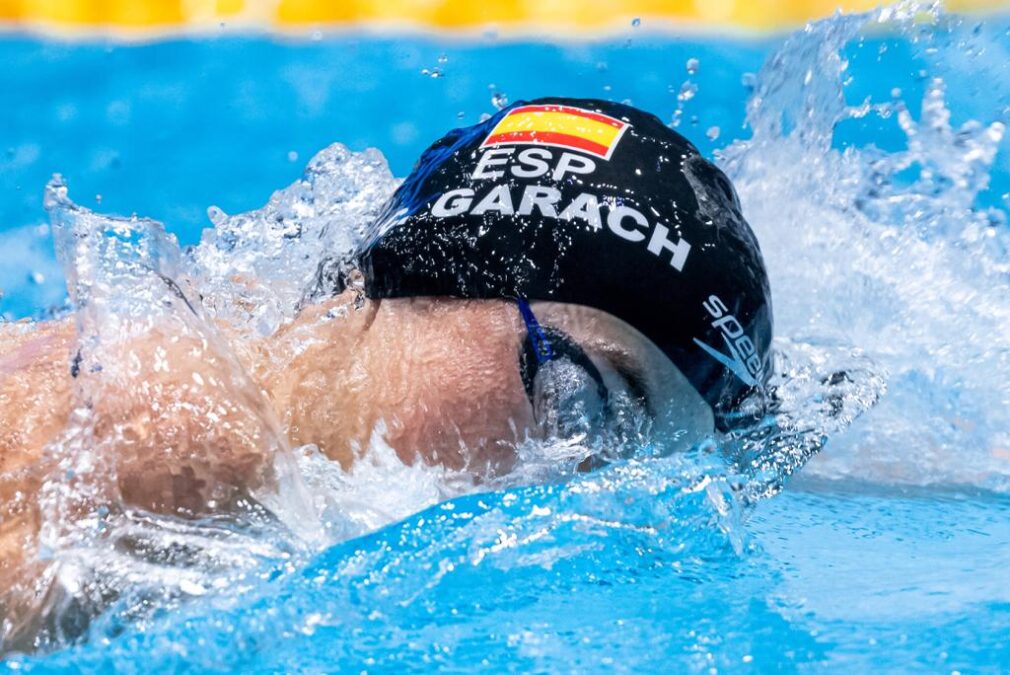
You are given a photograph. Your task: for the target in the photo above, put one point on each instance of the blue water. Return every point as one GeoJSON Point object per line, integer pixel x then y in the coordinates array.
{"type": "Point", "coordinates": [836, 580]}
{"type": "Point", "coordinates": [889, 551]}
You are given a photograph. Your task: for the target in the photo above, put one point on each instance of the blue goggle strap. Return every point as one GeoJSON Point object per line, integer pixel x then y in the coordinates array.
{"type": "Point", "coordinates": [541, 345]}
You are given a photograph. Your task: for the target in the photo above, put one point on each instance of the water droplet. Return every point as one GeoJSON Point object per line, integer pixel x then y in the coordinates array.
{"type": "Point", "coordinates": [98, 198]}
{"type": "Point", "coordinates": [636, 22]}
{"type": "Point", "coordinates": [216, 215]}
{"type": "Point", "coordinates": [484, 117]}
{"type": "Point", "coordinates": [292, 156]}
{"type": "Point", "coordinates": [687, 91]}
{"type": "Point", "coordinates": [442, 59]}
{"type": "Point", "coordinates": [499, 100]}
{"type": "Point", "coordinates": [433, 73]}
{"type": "Point", "coordinates": [460, 115]}
{"type": "Point", "coordinates": [692, 66]}
{"type": "Point", "coordinates": [712, 133]}
{"type": "Point", "coordinates": [37, 278]}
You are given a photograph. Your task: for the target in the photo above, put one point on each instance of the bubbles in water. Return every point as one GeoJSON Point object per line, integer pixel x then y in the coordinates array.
{"type": "Point", "coordinates": [712, 133]}
{"type": "Point", "coordinates": [692, 66]}
{"type": "Point", "coordinates": [636, 22]}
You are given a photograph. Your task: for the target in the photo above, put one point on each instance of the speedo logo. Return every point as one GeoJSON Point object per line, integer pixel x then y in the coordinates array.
{"type": "Point", "coordinates": [743, 359]}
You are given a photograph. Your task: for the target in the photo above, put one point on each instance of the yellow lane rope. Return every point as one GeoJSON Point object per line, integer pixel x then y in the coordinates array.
{"type": "Point", "coordinates": [563, 16]}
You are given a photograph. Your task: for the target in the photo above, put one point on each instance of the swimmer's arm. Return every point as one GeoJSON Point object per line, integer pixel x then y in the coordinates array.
{"type": "Point", "coordinates": [185, 442]}
{"type": "Point", "coordinates": [35, 400]}
{"type": "Point", "coordinates": [35, 391]}
{"type": "Point", "coordinates": [152, 425]}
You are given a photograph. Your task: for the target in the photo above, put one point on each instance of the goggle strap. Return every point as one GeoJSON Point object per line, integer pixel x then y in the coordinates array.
{"type": "Point", "coordinates": [541, 345]}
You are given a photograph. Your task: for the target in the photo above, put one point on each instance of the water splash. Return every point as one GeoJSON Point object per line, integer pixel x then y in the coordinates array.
{"type": "Point", "coordinates": [255, 268]}
{"type": "Point", "coordinates": [131, 490]}
{"type": "Point", "coordinates": [901, 261]}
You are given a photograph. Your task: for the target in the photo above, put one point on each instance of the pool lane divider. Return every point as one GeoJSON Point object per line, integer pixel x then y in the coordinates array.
{"type": "Point", "coordinates": [140, 19]}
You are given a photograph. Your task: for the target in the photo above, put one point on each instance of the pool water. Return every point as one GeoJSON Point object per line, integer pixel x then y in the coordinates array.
{"type": "Point", "coordinates": [831, 579]}
{"type": "Point", "coordinates": [869, 154]}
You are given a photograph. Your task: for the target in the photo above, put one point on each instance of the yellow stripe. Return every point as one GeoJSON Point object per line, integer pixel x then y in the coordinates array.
{"type": "Point", "coordinates": [506, 15]}
{"type": "Point", "coordinates": [573, 125]}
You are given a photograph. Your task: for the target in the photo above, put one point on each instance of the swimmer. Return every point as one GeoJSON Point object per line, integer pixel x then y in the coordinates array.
{"type": "Point", "coordinates": [567, 267]}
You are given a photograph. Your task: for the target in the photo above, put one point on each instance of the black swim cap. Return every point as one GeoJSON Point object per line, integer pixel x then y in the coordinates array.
{"type": "Point", "coordinates": [592, 203]}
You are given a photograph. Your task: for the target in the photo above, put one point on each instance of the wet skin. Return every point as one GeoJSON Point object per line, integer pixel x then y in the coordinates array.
{"type": "Point", "coordinates": [438, 378]}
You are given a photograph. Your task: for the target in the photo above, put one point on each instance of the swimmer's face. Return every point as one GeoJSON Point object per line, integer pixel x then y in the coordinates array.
{"type": "Point", "coordinates": [443, 377]}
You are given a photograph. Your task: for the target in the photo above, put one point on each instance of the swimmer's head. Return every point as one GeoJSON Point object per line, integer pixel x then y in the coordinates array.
{"type": "Point", "coordinates": [594, 204]}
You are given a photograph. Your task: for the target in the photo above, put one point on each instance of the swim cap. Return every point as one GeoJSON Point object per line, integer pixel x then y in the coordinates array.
{"type": "Point", "coordinates": [593, 203]}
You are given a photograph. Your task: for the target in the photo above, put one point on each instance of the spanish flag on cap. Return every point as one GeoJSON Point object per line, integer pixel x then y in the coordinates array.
{"type": "Point", "coordinates": [559, 126]}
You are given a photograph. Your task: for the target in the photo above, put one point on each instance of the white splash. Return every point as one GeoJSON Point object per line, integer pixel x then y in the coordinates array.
{"type": "Point", "coordinates": [886, 253]}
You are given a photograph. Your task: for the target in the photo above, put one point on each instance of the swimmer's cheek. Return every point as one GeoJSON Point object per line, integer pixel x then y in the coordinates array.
{"type": "Point", "coordinates": [471, 421]}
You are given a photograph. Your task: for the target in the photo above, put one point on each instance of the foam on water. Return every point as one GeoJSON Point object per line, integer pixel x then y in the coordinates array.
{"type": "Point", "coordinates": [889, 281]}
